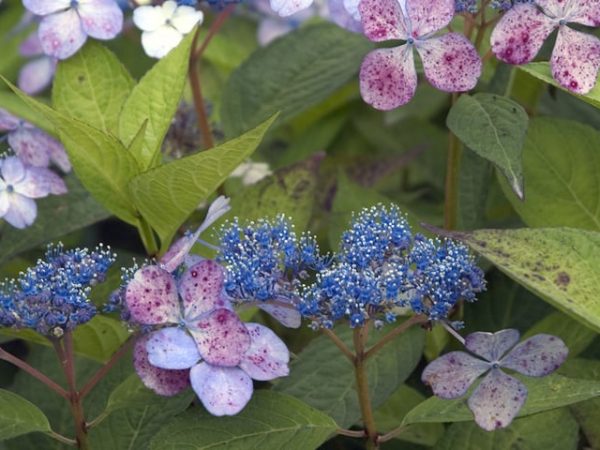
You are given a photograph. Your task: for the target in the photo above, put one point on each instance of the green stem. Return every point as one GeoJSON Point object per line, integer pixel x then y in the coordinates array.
{"type": "Point", "coordinates": [148, 238]}
{"type": "Point", "coordinates": [403, 327]}
{"type": "Point", "coordinates": [362, 386]}
{"type": "Point", "coordinates": [511, 81]}
{"type": "Point", "coordinates": [339, 344]}
{"type": "Point", "coordinates": [61, 438]}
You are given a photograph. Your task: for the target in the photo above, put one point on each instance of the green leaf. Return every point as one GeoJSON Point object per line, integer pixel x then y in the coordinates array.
{"type": "Point", "coordinates": [474, 187]}
{"type": "Point", "coordinates": [270, 421]}
{"type": "Point", "coordinates": [541, 70]}
{"type": "Point", "coordinates": [561, 186]}
{"type": "Point", "coordinates": [553, 430]}
{"type": "Point", "coordinates": [57, 216]}
{"type": "Point", "coordinates": [130, 393]}
{"type": "Point", "coordinates": [558, 264]}
{"type": "Point", "coordinates": [292, 74]}
{"type": "Point", "coordinates": [18, 416]}
{"type": "Point", "coordinates": [92, 87]}
{"type": "Point", "coordinates": [324, 378]}
{"type": "Point", "coordinates": [155, 99]}
{"type": "Point", "coordinates": [167, 195]}
{"type": "Point", "coordinates": [494, 127]}
{"type": "Point", "coordinates": [17, 107]}
{"type": "Point", "coordinates": [551, 392]}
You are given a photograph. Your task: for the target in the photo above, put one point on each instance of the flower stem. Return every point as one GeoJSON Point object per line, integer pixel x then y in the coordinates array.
{"type": "Point", "coordinates": [414, 320]}
{"type": "Point", "coordinates": [392, 434]}
{"type": "Point", "coordinates": [340, 344]}
{"type": "Point", "coordinates": [148, 238]}
{"type": "Point", "coordinates": [61, 438]}
{"type": "Point", "coordinates": [351, 433]}
{"type": "Point", "coordinates": [362, 386]}
{"type": "Point", "coordinates": [452, 178]}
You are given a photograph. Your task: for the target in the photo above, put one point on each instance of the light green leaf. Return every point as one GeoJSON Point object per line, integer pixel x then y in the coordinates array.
{"type": "Point", "coordinates": [92, 86]}
{"type": "Point", "coordinates": [494, 127]}
{"type": "Point", "coordinates": [18, 416]}
{"type": "Point", "coordinates": [17, 107]}
{"type": "Point", "coordinates": [167, 195]}
{"type": "Point", "coordinates": [558, 264]}
{"type": "Point", "coordinates": [541, 70]}
{"type": "Point", "coordinates": [57, 216]}
{"type": "Point", "coordinates": [324, 378]}
{"type": "Point", "coordinates": [270, 421]}
{"type": "Point", "coordinates": [292, 74]}
{"type": "Point", "coordinates": [562, 178]}
{"type": "Point", "coordinates": [129, 394]}
{"type": "Point", "coordinates": [551, 392]}
{"type": "Point", "coordinates": [155, 99]}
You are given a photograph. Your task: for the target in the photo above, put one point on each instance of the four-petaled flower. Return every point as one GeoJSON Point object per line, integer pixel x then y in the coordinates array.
{"type": "Point", "coordinates": [575, 60]}
{"type": "Point", "coordinates": [67, 23]}
{"type": "Point", "coordinates": [202, 334]}
{"type": "Point", "coordinates": [388, 77]}
{"type": "Point", "coordinates": [499, 397]}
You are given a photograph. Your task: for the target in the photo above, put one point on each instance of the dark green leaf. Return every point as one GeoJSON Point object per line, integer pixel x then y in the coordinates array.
{"type": "Point", "coordinates": [19, 416]}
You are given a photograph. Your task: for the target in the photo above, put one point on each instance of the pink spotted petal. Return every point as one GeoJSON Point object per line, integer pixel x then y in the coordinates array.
{"type": "Point", "coordinates": [427, 16]}
{"type": "Point", "coordinates": [45, 7]}
{"type": "Point", "coordinates": [61, 34]}
{"type": "Point", "coordinates": [382, 20]}
{"type": "Point", "coordinates": [492, 346]}
{"type": "Point", "coordinates": [537, 356]}
{"type": "Point", "coordinates": [222, 338]}
{"type": "Point", "coordinates": [388, 78]}
{"type": "Point", "coordinates": [163, 382]}
{"type": "Point", "coordinates": [101, 19]}
{"type": "Point", "coordinates": [224, 391]}
{"type": "Point", "coordinates": [497, 400]}
{"type": "Point", "coordinates": [451, 374]}
{"type": "Point", "coordinates": [176, 254]}
{"type": "Point", "coordinates": [576, 60]}
{"type": "Point", "coordinates": [22, 211]}
{"type": "Point", "coordinates": [31, 46]}
{"type": "Point", "coordinates": [288, 317]}
{"type": "Point", "coordinates": [201, 289]}
{"type": "Point", "coordinates": [151, 297]}
{"type": "Point", "coordinates": [8, 122]}
{"type": "Point", "coordinates": [451, 62]}
{"type": "Point", "coordinates": [586, 12]}
{"type": "Point", "coordinates": [36, 75]}
{"type": "Point", "coordinates": [519, 35]}
{"type": "Point", "coordinates": [268, 357]}
{"type": "Point", "coordinates": [30, 145]}
{"type": "Point", "coordinates": [172, 348]}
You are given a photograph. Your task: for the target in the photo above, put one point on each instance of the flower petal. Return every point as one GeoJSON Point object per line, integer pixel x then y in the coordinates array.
{"type": "Point", "coordinates": [288, 317]}
{"type": "Point", "coordinates": [185, 19]}
{"type": "Point", "coordinates": [4, 202]}
{"type": "Point", "coordinates": [289, 7]}
{"type": "Point", "coordinates": [576, 60]}
{"type": "Point", "coordinates": [345, 14]}
{"type": "Point", "coordinates": [22, 211]}
{"type": "Point", "coordinates": [31, 46]}
{"type": "Point", "coordinates": [451, 62]}
{"type": "Point", "coordinates": [427, 16]}
{"type": "Point", "coordinates": [201, 289]}
{"type": "Point", "coordinates": [36, 75]}
{"type": "Point", "coordinates": [586, 12]}
{"type": "Point", "coordinates": [224, 391]}
{"type": "Point", "coordinates": [520, 33]}
{"type": "Point", "coordinates": [172, 348]}
{"type": "Point", "coordinates": [44, 7]}
{"type": "Point", "coordinates": [268, 357]}
{"type": "Point", "coordinates": [58, 155]}
{"type": "Point", "coordinates": [388, 78]}
{"type": "Point", "coordinates": [101, 19]}
{"type": "Point", "coordinates": [497, 400]}
{"type": "Point", "coordinates": [13, 170]}
{"type": "Point", "coordinates": [161, 41]}
{"type": "Point", "coordinates": [270, 29]}
{"type": "Point", "coordinates": [149, 18]}
{"type": "Point", "coordinates": [382, 20]}
{"type": "Point", "coordinates": [492, 346]}
{"type": "Point", "coordinates": [222, 338]}
{"type": "Point", "coordinates": [61, 34]}
{"type": "Point", "coordinates": [151, 297]}
{"type": "Point", "coordinates": [8, 122]}
{"type": "Point", "coordinates": [46, 180]}
{"type": "Point", "coordinates": [162, 381]}
{"type": "Point", "coordinates": [537, 356]}
{"type": "Point", "coordinates": [451, 374]}
{"type": "Point", "coordinates": [30, 145]}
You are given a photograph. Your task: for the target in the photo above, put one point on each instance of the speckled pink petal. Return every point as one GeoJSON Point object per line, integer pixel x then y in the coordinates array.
{"type": "Point", "coordinates": [61, 34]}
{"type": "Point", "coordinates": [224, 391]}
{"type": "Point", "coordinates": [163, 382]}
{"type": "Point", "coordinates": [537, 356]}
{"type": "Point", "coordinates": [36, 75]}
{"type": "Point", "coordinates": [520, 33]}
{"type": "Point", "coordinates": [8, 122]}
{"type": "Point", "coordinates": [427, 16]}
{"type": "Point", "coordinates": [201, 289]}
{"type": "Point", "coordinates": [576, 60]}
{"type": "Point", "coordinates": [492, 346]}
{"type": "Point", "coordinates": [222, 337]}
{"type": "Point", "coordinates": [30, 145]}
{"type": "Point", "coordinates": [382, 20]}
{"type": "Point", "coordinates": [586, 12]}
{"type": "Point", "coordinates": [176, 254]}
{"type": "Point", "coordinates": [497, 400]}
{"type": "Point", "coordinates": [268, 357]}
{"type": "Point", "coordinates": [555, 8]}
{"type": "Point", "coordinates": [172, 348]}
{"type": "Point", "coordinates": [451, 374]}
{"type": "Point", "coordinates": [151, 297]}
{"type": "Point", "coordinates": [289, 317]}
{"type": "Point", "coordinates": [44, 7]}
{"type": "Point", "coordinates": [451, 62]}
{"type": "Point", "coordinates": [388, 78]}
{"type": "Point", "coordinates": [101, 19]}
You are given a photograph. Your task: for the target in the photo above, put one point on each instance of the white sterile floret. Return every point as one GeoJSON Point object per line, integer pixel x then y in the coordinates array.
{"type": "Point", "coordinates": [164, 26]}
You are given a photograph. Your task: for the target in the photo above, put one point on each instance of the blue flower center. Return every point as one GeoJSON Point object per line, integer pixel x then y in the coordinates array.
{"type": "Point", "coordinates": [495, 365]}
{"type": "Point", "coordinates": [74, 3]}
{"type": "Point", "coordinates": [410, 41]}
{"type": "Point", "coordinates": [10, 189]}
{"type": "Point", "coordinates": [562, 22]}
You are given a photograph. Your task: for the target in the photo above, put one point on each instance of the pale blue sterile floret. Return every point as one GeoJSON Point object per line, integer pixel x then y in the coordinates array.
{"type": "Point", "coordinates": [53, 296]}
{"type": "Point", "coordinates": [504, 5]}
